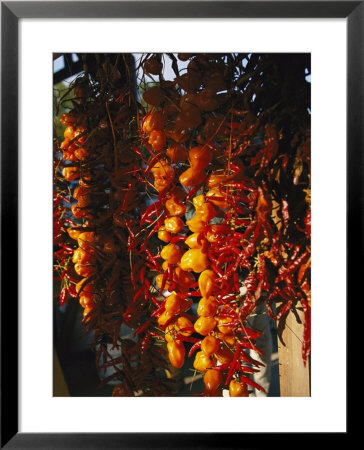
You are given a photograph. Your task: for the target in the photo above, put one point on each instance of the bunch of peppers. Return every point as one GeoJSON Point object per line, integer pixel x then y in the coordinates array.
{"type": "Point", "coordinates": [207, 199]}
{"type": "Point", "coordinates": [217, 178]}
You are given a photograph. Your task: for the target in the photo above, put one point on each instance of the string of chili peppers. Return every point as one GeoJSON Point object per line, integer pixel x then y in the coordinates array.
{"type": "Point", "coordinates": [189, 123]}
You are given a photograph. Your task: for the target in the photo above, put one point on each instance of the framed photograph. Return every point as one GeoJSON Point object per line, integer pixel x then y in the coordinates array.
{"type": "Point", "coordinates": [47, 47]}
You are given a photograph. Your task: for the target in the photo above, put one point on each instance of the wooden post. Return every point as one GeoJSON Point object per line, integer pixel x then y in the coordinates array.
{"type": "Point", "coordinates": [294, 377]}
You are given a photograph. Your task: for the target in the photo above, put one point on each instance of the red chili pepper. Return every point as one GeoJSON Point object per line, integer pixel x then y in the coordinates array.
{"type": "Point", "coordinates": [153, 210]}
{"type": "Point", "coordinates": [248, 359]}
{"type": "Point", "coordinates": [233, 364]}
{"type": "Point", "coordinates": [63, 296]}
{"type": "Point", "coordinates": [72, 291]}
{"type": "Point", "coordinates": [143, 327]}
{"type": "Point", "coordinates": [137, 294]}
{"type": "Point", "coordinates": [292, 266]}
{"type": "Point", "coordinates": [306, 344]}
{"type": "Point", "coordinates": [246, 369]}
{"type": "Point", "coordinates": [194, 347]}
{"type": "Point", "coordinates": [251, 383]}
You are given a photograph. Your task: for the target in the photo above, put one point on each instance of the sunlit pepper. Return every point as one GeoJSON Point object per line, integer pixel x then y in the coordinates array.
{"type": "Point", "coordinates": [176, 353]}
{"type": "Point", "coordinates": [164, 318]}
{"type": "Point", "coordinates": [163, 234]}
{"type": "Point", "coordinates": [203, 362]}
{"type": "Point", "coordinates": [204, 325]}
{"type": "Point", "coordinates": [237, 389]}
{"type": "Point", "coordinates": [171, 253]}
{"type": "Point", "coordinates": [206, 282]}
{"type": "Point", "coordinates": [196, 225]}
{"type": "Point", "coordinates": [174, 224]}
{"type": "Point", "coordinates": [174, 207]}
{"type": "Point", "coordinates": [71, 173]}
{"type": "Point", "coordinates": [210, 344]}
{"type": "Point", "coordinates": [212, 379]}
{"type": "Point", "coordinates": [206, 212]}
{"type": "Point", "coordinates": [195, 240]}
{"type": "Point", "coordinates": [184, 326]}
{"type": "Point", "coordinates": [207, 307]}
{"type": "Point", "coordinates": [194, 260]}
{"type": "Point", "coordinates": [217, 197]}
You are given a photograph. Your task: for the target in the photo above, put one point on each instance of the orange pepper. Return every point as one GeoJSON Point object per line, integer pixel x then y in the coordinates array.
{"type": "Point", "coordinates": [203, 362]}
{"type": "Point", "coordinates": [154, 121]}
{"type": "Point", "coordinates": [221, 325]}
{"type": "Point", "coordinates": [206, 282]}
{"type": "Point", "coordinates": [164, 317]}
{"type": "Point", "coordinates": [184, 326]}
{"type": "Point", "coordinates": [171, 253]}
{"type": "Point", "coordinates": [212, 379]}
{"type": "Point", "coordinates": [210, 345]}
{"type": "Point", "coordinates": [71, 173]}
{"type": "Point", "coordinates": [174, 224]}
{"type": "Point", "coordinates": [196, 225]}
{"type": "Point", "coordinates": [175, 208]}
{"type": "Point", "coordinates": [163, 169]}
{"type": "Point", "coordinates": [224, 355]}
{"type": "Point", "coordinates": [220, 200]}
{"type": "Point", "coordinates": [157, 139]}
{"type": "Point", "coordinates": [176, 353]}
{"type": "Point", "coordinates": [163, 234]}
{"type": "Point", "coordinates": [207, 307]}
{"type": "Point", "coordinates": [192, 177]}
{"type": "Point", "coordinates": [194, 260]}
{"type": "Point", "coordinates": [200, 157]}
{"type": "Point", "coordinates": [206, 212]}
{"type": "Point", "coordinates": [204, 325]}
{"type": "Point", "coordinates": [216, 179]}
{"type": "Point", "coordinates": [237, 389]}
{"type": "Point", "coordinates": [193, 241]}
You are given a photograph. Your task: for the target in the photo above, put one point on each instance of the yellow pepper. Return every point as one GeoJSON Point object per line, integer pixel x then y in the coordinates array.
{"type": "Point", "coordinates": [207, 307]}
{"type": "Point", "coordinates": [194, 260]}
{"type": "Point", "coordinates": [206, 282]}
{"type": "Point", "coordinates": [171, 253]}
{"type": "Point", "coordinates": [196, 225]}
{"type": "Point", "coordinates": [193, 241]}
{"type": "Point", "coordinates": [163, 234]}
{"type": "Point", "coordinates": [203, 362]}
{"type": "Point", "coordinates": [204, 325]}
{"type": "Point", "coordinates": [174, 207]}
{"type": "Point", "coordinates": [174, 224]}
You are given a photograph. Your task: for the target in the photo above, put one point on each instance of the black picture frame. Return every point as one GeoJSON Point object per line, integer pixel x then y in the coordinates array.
{"type": "Point", "coordinates": [11, 13]}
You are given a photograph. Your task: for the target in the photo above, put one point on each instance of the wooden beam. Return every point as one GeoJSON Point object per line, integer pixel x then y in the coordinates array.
{"type": "Point", "coordinates": [294, 377]}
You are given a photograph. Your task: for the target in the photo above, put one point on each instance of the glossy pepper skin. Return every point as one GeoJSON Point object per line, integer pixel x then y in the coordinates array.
{"type": "Point", "coordinates": [176, 353]}
{"type": "Point", "coordinates": [203, 362]}
{"type": "Point", "coordinates": [200, 157]}
{"type": "Point", "coordinates": [206, 282]}
{"type": "Point", "coordinates": [171, 253]}
{"type": "Point", "coordinates": [195, 260]}
{"type": "Point", "coordinates": [174, 224]}
{"type": "Point", "coordinates": [212, 379]}
{"type": "Point", "coordinates": [237, 389]}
